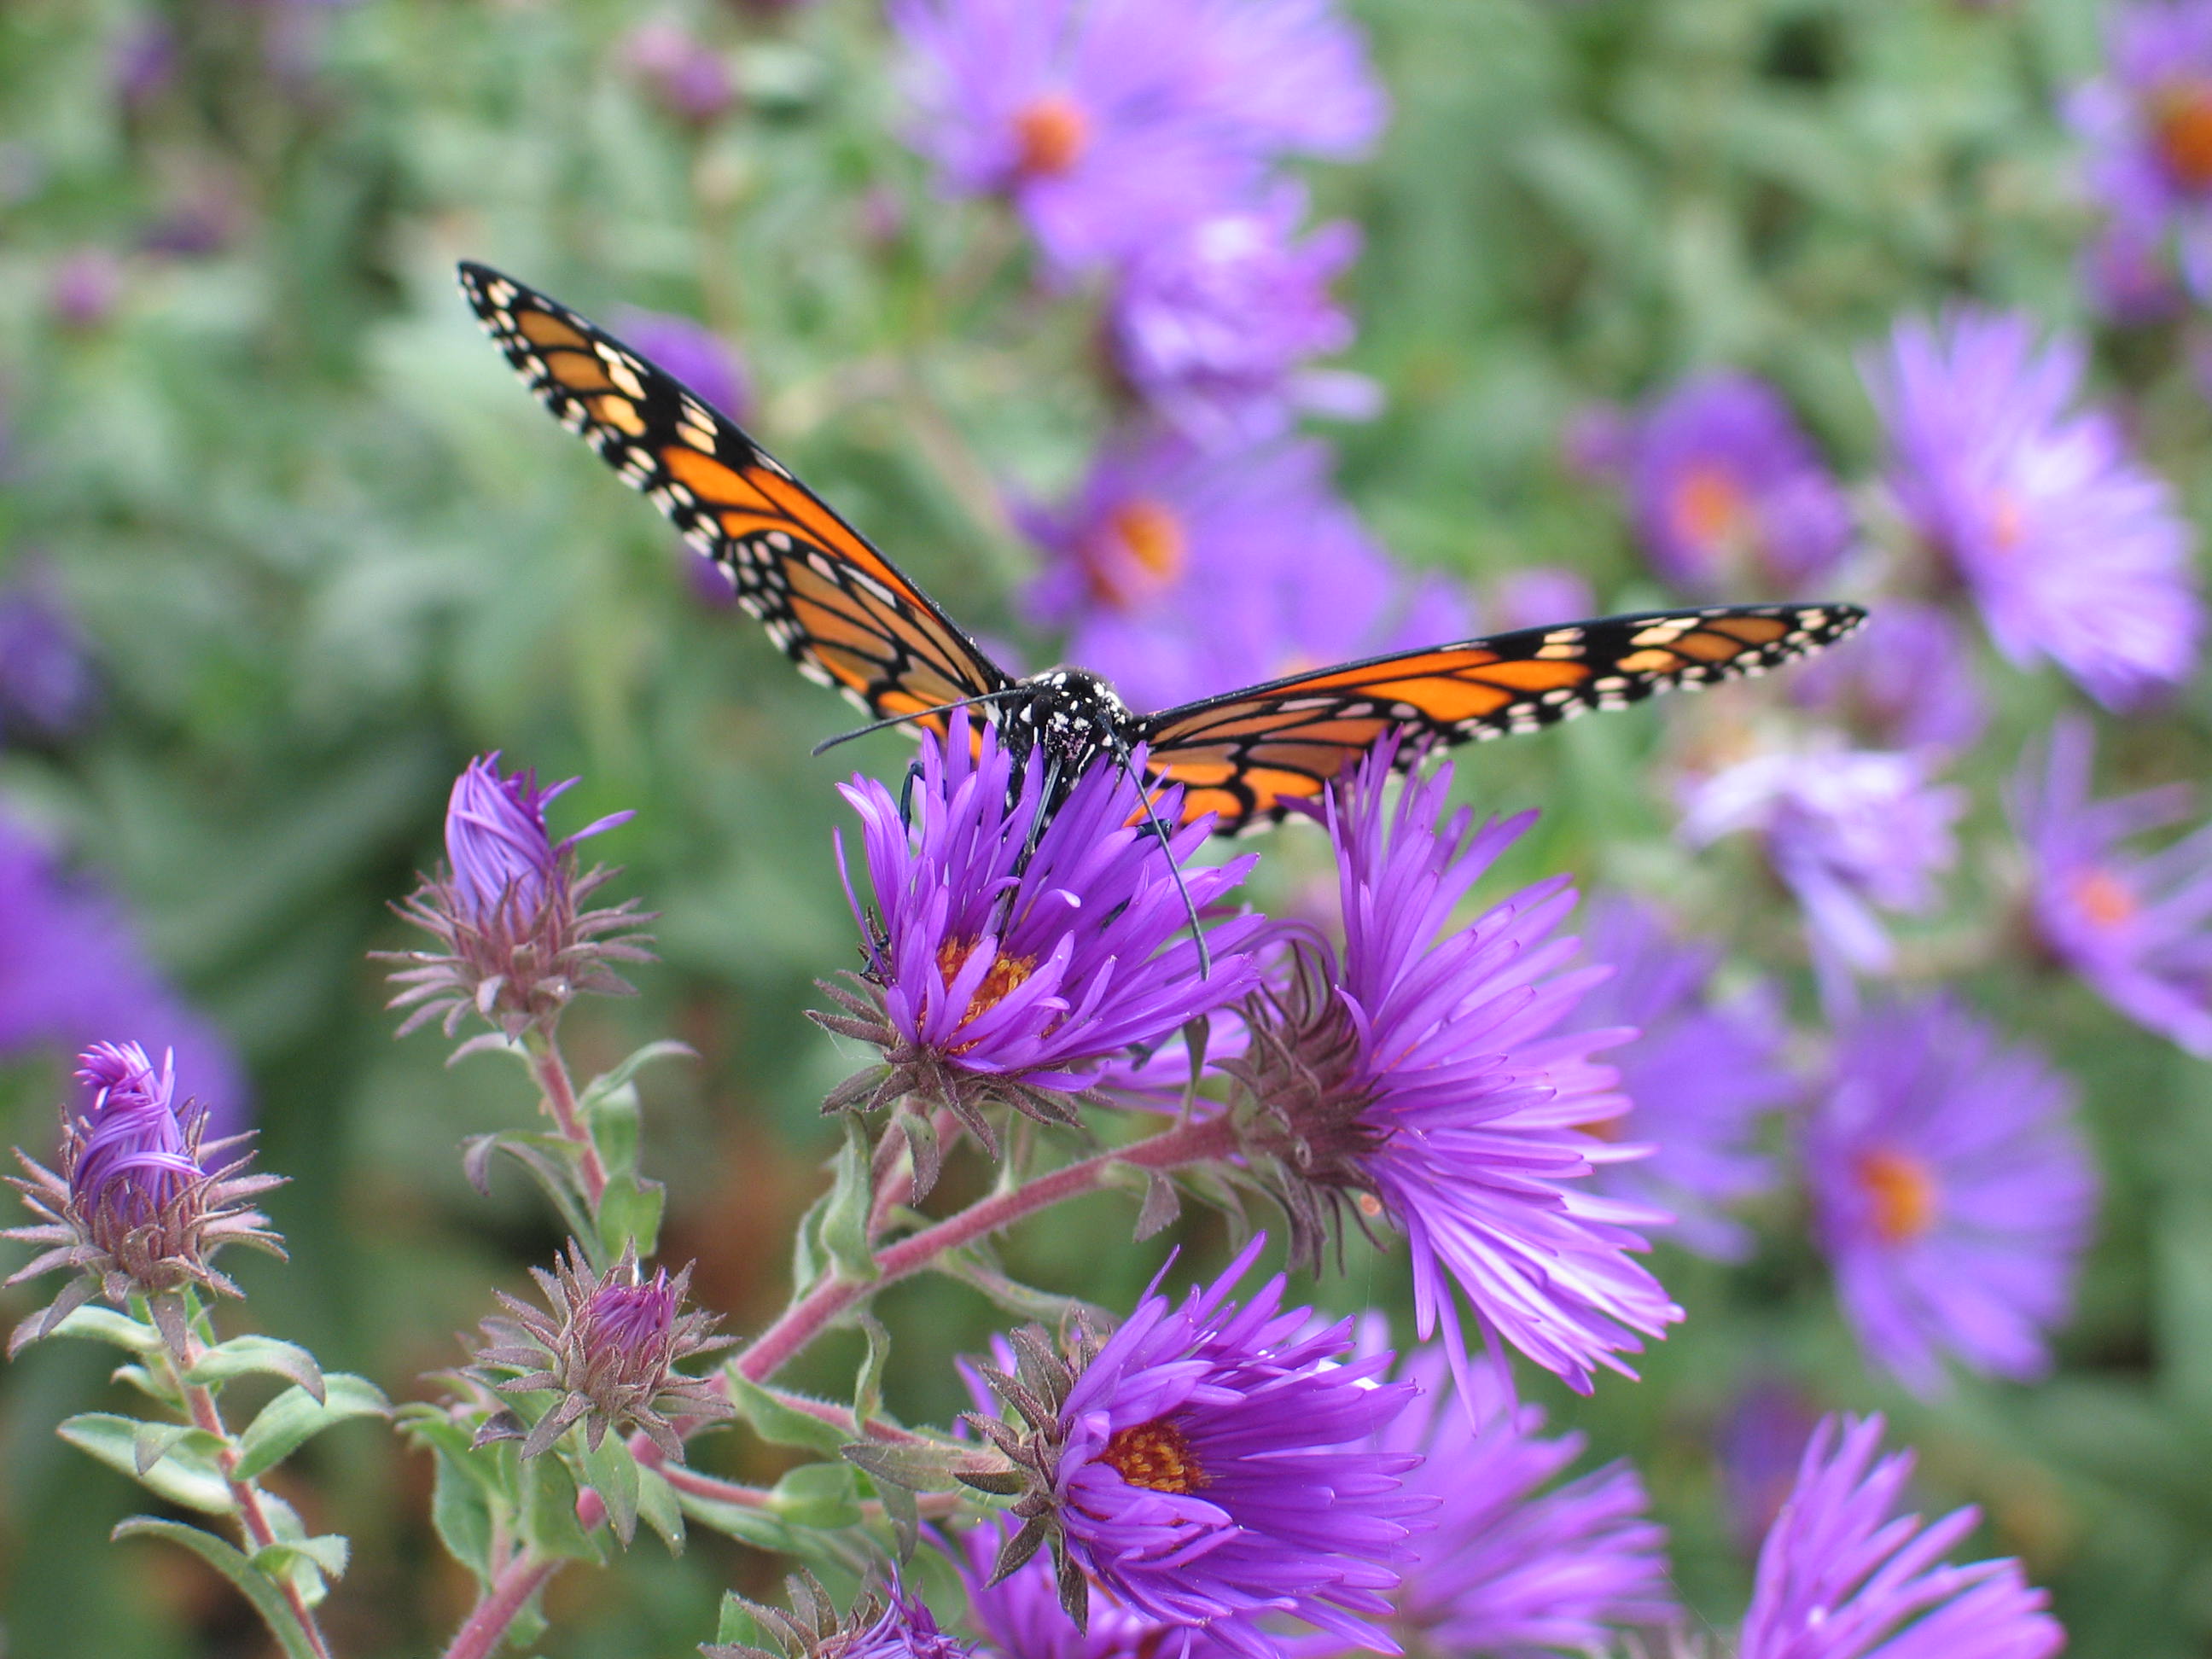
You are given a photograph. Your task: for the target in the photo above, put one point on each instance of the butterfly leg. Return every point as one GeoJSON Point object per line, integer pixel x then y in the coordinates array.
{"type": "Point", "coordinates": [906, 793]}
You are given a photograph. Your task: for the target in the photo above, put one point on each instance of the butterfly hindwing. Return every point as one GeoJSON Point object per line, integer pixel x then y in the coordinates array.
{"type": "Point", "coordinates": [1246, 756]}
{"type": "Point", "coordinates": [840, 609]}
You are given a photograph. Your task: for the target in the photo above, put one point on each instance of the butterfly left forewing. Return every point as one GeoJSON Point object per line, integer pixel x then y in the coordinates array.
{"type": "Point", "coordinates": [1248, 756]}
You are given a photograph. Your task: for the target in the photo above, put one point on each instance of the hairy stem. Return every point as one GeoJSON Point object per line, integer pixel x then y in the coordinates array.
{"type": "Point", "coordinates": [552, 1071]}
{"type": "Point", "coordinates": [522, 1577]}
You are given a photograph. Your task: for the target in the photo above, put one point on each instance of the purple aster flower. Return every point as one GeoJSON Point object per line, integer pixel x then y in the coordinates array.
{"type": "Point", "coordinates": [2133, 925]}
{"type": "Point", "coordinates": [2128, 274]}
{"type": "Point", "coordinates": [1906, 680]}
{"type": "Point", "coordinates": [1842, 1575]}
{"type": "Point", "coordinates": [889, 1622]}
{"type": "Point", "coordinates": [1213, 321]}
{"type": "Point", "coordinates": [2073, 548]}
{"type": "Point", "coordinates": [1844, 831]}
{"type": "Point", "coordinates": [1949, 1193]}
{"type": "Point", "coordinates": [1702, 1073]}
{"type": "Point", "coordinates": [1512, 1568]}
{"type": "Point", "coordinates": [993, 976]}
{"type": "Point", "coordinates": [71, 968]}
{"type": "Point", "coordinates": [1729, 495]}
{"type": "Point", "coordinates": [1020, 1616]}
{"type": "Point", "coordinates": [1758, 1444]}
{"type": "Point", "coordinates": [1211, 1466]}
{"type": "Point", "coordinates": [694, 354]}
{"type": "Point", "coordinates": [2148, 123]}
{"type": "Point", "coordinates": [1169, 568]}
{"type": "Point", "coordinates": [47, 686]}
{"type": "Point", "coordinates": [687, 77]}
{"type": "Point", "coordinates": [1538, 595]}
{"type": "Point", "coordinates": [142, 1201]}
{"type": "Point", "coordinates": [1103, 140]}
{"type": "Point", "coordinates": [1423, 1077]}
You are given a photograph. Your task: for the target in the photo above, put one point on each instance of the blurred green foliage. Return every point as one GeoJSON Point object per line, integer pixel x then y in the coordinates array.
{"type": "Point", "coordinates": [327, 549]}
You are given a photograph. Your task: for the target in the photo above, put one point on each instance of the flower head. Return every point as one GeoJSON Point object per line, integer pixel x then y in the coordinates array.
{"type": "Point", "coordinates": [1843, 1576]}
{"type": "Point", "coordinates": [1728, 493]}
{"type": "Point", "coordinates": [608, 1344]}
{"type": "Point", "coordinates": [1512, 1568]}
{"type": "Point", "coordinates": [1020, 1615]}
{"type": "Point", "coordinates": [1213, 1466]}
{"type": "Point", "coordinates": [1422, 1076]}
{"type": "Point", "coordinates": [1845, 832]}
{"type": "Point", "coordinates": [2148, 125]}
{"type": "Point", "coordinates": [994, 976]}
{"type": "Point", "coordinates": [2072, 548]}
{"type": "Point", "coordinates": [518, 947]}
{"type": "Point", "coordinates": [1906, 680]}
{"type": "Point", "coordinates": [1104, 141]}
{"type": "Point", "coordinates": [1168, 568]}
{"type": "Point", "coordinates": [1213, 322]}
{"type": "Point", "coordinates": [1700, 1071]}
{"type": "Point", "coordinates": [1949, 1193]}
{"type": "Point", "coordinates": [142, 1201]}
{"type": "Point", "coordinates": [888, 1622]}
{"type": "Point", "coordinates": [2137, 926]}
{"type": "Point", "coordinates": [695, 354]}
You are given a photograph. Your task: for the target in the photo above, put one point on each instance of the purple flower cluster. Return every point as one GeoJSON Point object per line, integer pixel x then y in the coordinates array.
{"type": "Point", "coordinates": [1949, 1193]}
{"type": "Point", "coordinates": [2147, 122]}
{"type": "Point", "coordinates": [2072, 549]}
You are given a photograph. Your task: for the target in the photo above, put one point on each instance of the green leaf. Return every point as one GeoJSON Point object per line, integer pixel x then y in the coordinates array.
{"type": "Point", "coordinates": [610, 1110]}
{"type": "Point", "coordinates": [852, 1196]}
{"type": "Point", "coordinates": [296, 1417]}
{"type": "Point", "coordinates": [96, 1324]}
{"type": "Point", "coordinates": [743, 1522]}
{"type": "Point", "coordinates": [978, 1267]}
{"type": "Point", "coordinates": [656, 1503]}
{"type": "Point", "coordinates": [916, 1466]}
{"type": "Point", "coordinates": [783, 1424]}
{"type": "Point", "coordinates": [548, 1159]}
{"type": "Point", "coordinates": [252, 1583]}
{"type": "Point", "coordinates": [868, 1386]}
{"type": "Point", "coordinates": [739, 1625]}
{"type": "Point", "coordinates": [308, 1563]}
{"type": "Point", "coordinates": [548, 1510]}
{"type": "Point", "coordinates": [806, 1259]}
{"type": "Point", "coordinates": [244, 1355]}
{"type": "Point", "coordinates": [630, 1208]}
{"type": "Point", "coordinates": [460, 1509]}
{"type": "Point", "coordinates": [176, 1461]}
{"type": "Point", "coordinates": [818, 1495]}
{"type": "Point", "coordinates": [611, 1472]}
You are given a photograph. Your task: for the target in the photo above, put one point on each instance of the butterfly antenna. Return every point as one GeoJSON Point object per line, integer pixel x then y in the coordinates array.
{"type": "Point", "coordinates": [1159, 829]}
{"type": "Point", "coordinates": [1001, 696]}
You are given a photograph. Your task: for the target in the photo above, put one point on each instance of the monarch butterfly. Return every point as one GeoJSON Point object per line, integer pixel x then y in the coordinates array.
{"type": "Point", "coordinates": [850, 618]}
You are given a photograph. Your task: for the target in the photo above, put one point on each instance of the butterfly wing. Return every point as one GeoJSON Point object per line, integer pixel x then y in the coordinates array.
{"type": "Point", "coordinates": [840, 610]}
{"type": "Point", "coordinates": [1246, 756]}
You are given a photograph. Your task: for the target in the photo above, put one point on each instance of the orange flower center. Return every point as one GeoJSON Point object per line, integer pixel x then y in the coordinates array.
{"type": "Point", "coordinates": [1000, 979]}
{"type": "Point", "coordinates": [1052, 132]}
{"type": "Point", "coordinates": [2106, 900]}
{"type": "Point", "coordinates": [1146, 545]}
{"type": "Point", "coordinates": [1902, 1189]}
{"type": "Point", "coordinates": [2008, 522]}
{"type": "Point", "coordinates": [2181, 126]}
{"type": "Point", "coordinates": [1711, 508]}
{"type": "Point", "coordinates": [1156, 1456]}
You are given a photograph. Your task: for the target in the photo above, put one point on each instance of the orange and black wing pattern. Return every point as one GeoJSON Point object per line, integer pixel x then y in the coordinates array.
{"type": "Point", "coordinates": [1248, 756]}
{"type": "Point", "coordinates": [840, 609]}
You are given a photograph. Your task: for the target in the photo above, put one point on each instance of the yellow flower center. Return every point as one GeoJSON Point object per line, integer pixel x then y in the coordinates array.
{"type": "Point", "coordinates": [1711, 508]}
{"type": "Point", "coordinates": [1903, 1191]}
{"type": "Point", "coordinates": [1156, 1456]}
{"type": "Point", "coordinates": [2181, 127]}
{"type": "Point", "coordinates": [1000, 979]}
{"type": "Point", "coordinates": [1052, 132]}
{"type": "Point", "coordinates": [2106, 900]}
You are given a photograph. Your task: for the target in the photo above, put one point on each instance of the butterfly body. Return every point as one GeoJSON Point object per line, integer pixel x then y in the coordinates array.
{"type": "Point", "coordinates": [849, 618]}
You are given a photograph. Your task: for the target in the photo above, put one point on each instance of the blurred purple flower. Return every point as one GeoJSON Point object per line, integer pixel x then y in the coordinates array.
{"type": "Point", "coordinates": [1842, 1575]}
{"type": "Point", "coordinates": [993, 977]}
{"type": "Point", "coordinates": [1213, 321]}
{"type": "Point", "coordinates": [2148, 123]}
{"type": "Point", "coordinates": [1844, 831]}
{"type": "Point", "coordinates": [1174, 570]}
{"type": "Point", "coordinates": [141, 60]}
{"type": "Point", "coordinates": [1511, 1569]}
{"type": "Point", "coordinates": [1949, 1193]}
{"type": "Point", "coordinates": [1906, 680]}
{"type": "Point", "coordinates": [1729, 495]}
{"type": "Point", "coordinates": [1423, 1077]}
{"type": "Point", "coordinates": [1104, 139]}
{"type": "Point", "coordinates": [2128, 274]}
{"type": "Point", "coordinates": [48, 690]}
{"type": "Point", "coordinates": [1701, 1074]}
{"type": "Point", "coordinates": [687, 77]}
{"type": "Point", "coordinates": [85, 287]}
{"type": "Point", "coordinates": [1542, 595]}
{"type": "Point", "coordinates": [693, 353]}
{"type": "Point", "coordinates": [2133, 925]}
{"type": "Point", "coordinates": [2072, 548]}
{"type": "Point", "coordinates": [71, 969]}
{"type": "Point", "coordinates": [1213, 1466]}
{"type": "Point", "coordinates": [1758, 1444]}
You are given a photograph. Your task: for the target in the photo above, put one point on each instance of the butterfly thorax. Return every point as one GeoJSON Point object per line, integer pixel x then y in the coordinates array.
{"type": "Point", "coordinates": [1071, 714]}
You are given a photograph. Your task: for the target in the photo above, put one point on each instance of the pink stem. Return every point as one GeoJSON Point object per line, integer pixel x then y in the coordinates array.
{"type": "Point", "coordinates": [552, 1074]}
{"type": "Point", "coordinates": [510, 1592]}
